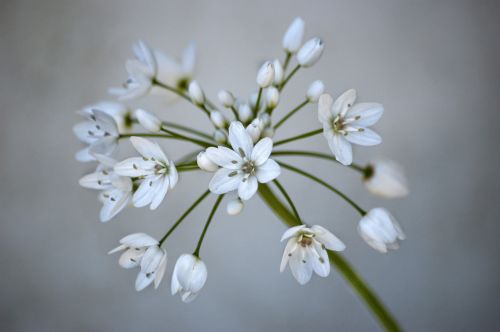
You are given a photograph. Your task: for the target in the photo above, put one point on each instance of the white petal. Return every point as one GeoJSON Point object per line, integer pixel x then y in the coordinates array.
{"type": "Point", "coordinates": [148, 149]}
{"type": "Point", "coordinates": [240, 139]}
{"type": "Point", "coordinates": [368, 113]}
{"type": "Point", "coordinates": [160, 193]}
{"type": "Point", "coordinates": [262, 151]}
{"type": "Point", "coordinates": [137, 240]}
{"type": "Point", "coordinates": [300, 267]}
{"type": "Point", "coordinates": [319, 260]}
{"type": "Point", "coordinates": [143, 280]}
{"type": "Point", "coordinates": [189, 59]}
{"type": "Point", "coordinates": [325, 108]}
{"type": "Point", "coordinates": [325, 237]}
{"type": "Point", "coordinates": [81, 131]}
{"type": "Point", "coordinates": [106, 122]}
{"type": "Point", "coordinates": [248, 188]}
{"type": "Point", "coordinates": [105, 146]}
{"type": "Point", "coordinates": [292, 232]}
{"type": "Point", "coordinates": [367, 137]}
{"type": "Point", "coordinates": [222, 182]}
{"type": "Point", "coordinates": [291, 245]}
{"type": "Point", "coordinates": [160, 272]}
{"type": "Point", "coordinates": [116, 202]}
{"type": "Point", "coordinates": [173, 176]}
{"type": "Point", "coordinates": [224, 157]}
{"type": "Point", "coordinates": [84, 155]}
{"type": "Point", "coordinates": [134, 167]}
{"type": "Point", "coordinates": [146, 192]}
{"type": "Point", "coordinates": [131, 258]}
{"type": "Point", "coordinates": [344, 102]}
{"type": "Point", "coordinates": [152, 259]}
{"type": "Point", "coordinates": [97, 180]}
{"type": "Point", "coordinates": [268, 171]}
{"type": "Point", "coordinates": [341, 148]}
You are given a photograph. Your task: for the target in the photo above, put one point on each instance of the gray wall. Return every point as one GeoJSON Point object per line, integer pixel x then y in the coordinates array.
{"type": "Point", "coordinates": [433, 64]}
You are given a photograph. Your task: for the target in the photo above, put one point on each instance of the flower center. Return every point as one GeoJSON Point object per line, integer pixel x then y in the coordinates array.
{"type": "Point", "coordinates": [338, 124]}
{"type": "Point", "coordinates": [248, 167]}
{"type": "Point", "coordinates": [305, 240]}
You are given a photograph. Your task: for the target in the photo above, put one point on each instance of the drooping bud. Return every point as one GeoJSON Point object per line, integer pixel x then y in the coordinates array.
{"type": "Point", "coordinates": [188, 278]}
{"type": "Point", "coordinates": [254, 129]}
{"type": "Point", "coordinates": [310, 52]}
{"type": "Point", "coordinates": [234, 207]}
{"type": "Point", "coordinates": [386, 178]}
{"type": "Point", "coordinates": [380, 230]}
{"type": "Point", "coordinates": [272, 97]}
{"type": "Point", "coordinates": [245, 112]}
{"type": "Point", "coordinates": [293, 36]}
{"type": "Point", "coordinates": [196, 93]}
{"type": "Point", "coordinates": [148, 120]}
{"type": "Point", "coordinates": [220, 136]}
{"type": "Point", "coordinates": [265, 76]}
{"type": "Point", "coordinates": [218, 119]}
{"type": "Point", "coordinates": [315, 90]}
{"type": "Point", "coordinates": [205, 163]}
{"type": "Point", "coordinates": [279, 73]}
{"type": "Point", "coordinates": [226, 98]}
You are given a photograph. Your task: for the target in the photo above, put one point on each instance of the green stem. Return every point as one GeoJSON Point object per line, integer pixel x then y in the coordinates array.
{"type": "Point", "coordinates": [289, 77]}
{"type": "Point", "coordinates": [341, 264]}
{"type": "Point", "coordinates": [186, 138]}
{"type": "Point", "coordinates": [235, 112]}
{"type": "Point", "coordinates": [184, 215]}
{"type": "Point", "coordinates": [209, 220]}
{"type": "Point", "coordinates": [288, 199]}
{"type": "Point", "coordinates": [187, 129]}
{"type": "Point", "coordinates": [319, 155]}
{"type": "Point", "coordinates": [257, 104]}
{"type": "Point", "coordinates": [171, 89]}
{"type": "Point", "coordinates": [295, 138]}
{"type": "Point", "coordinates": [323, 183]}
{"type": "Point", "coordinates": [287, 61]}
{"type": "Point", "coordinates": [292, 112]}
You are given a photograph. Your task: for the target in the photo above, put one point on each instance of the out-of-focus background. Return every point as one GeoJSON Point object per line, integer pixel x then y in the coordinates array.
{"type": "Point", "coordinates": [434, 66]}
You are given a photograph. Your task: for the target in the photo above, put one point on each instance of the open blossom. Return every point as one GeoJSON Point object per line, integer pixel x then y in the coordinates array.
{"type": "Point", "coordinates": [158, 174]}
{"type": "Point", "coordinates": [305, 251]}
{"type": "Point", "coordinates": [116, 191]}
{"type": "Point", "coordinates": [100, 132]}
{"type": "Point", "coordinates": [189, 277]}
{"type": "Point", "coordinates": [380, 230]}
{"type": "Point", "coordinates": [345, 122]}
{"type": "Point", "coordinates": [243, 166]}
{"type": "Point", "coordinates": [142, 250]}
{"type": "Point", "coordinates": [175, 73]}
{"type": "Point", "coordinates": [386, 178]}
{"type": "Point", "coordinates": [122, 114]}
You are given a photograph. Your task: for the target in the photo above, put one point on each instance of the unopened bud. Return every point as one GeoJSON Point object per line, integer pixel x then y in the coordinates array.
{"type": "Point", "coordinates": [265, 120]}
{"type": "Point", "coordinates": [293, 36]}
{"type": "Point", "coordinates": [279, 73]}
{"type": "Point", "coordinates": [254, 129]}
{"type": "Point", "coordinates": [234, 207]}
{"type": "Point", "coordinates": [315, 90]}
{"type": "Point", "coordinates": [226, 98]}
{"type": "Point", "coordinates": [268, 132]}
{"type": "Point", "coordinates": [220, 137]}
{"type": "Point", "coordinates": [148, 120]}
{"type": "Point", "coordinates": [196, 93]}
{"type": "Point", "coordinates": [218, 119]}
{"type": "Point", "coordinates": [245, 112]}
{"type": "Point", "coordinates": [310, 52]}
{"type": "Point", "coordinates": [272, 97]}
{"type": "Point", "coordinates": [205, 163]}
{"type": "Point", "coordinates": [265, 76]}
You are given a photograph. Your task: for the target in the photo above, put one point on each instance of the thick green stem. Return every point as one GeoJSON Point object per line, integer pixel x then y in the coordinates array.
{"type": "Point", "coordinates": [319, 155]}
{"type": "Point", "coordinates": [292, 112]}
{"type": "Point", "coordinates": [301, 136]}
{"type": "Point", "coordinates": [341, 264]}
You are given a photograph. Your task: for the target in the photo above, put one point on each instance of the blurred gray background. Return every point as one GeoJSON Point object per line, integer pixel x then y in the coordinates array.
{"type": "Point", "coordinates": [433, 64]}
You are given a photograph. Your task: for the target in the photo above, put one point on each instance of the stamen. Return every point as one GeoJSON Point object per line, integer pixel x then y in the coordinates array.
{"type": "Point", "coordinates": [233, 173]}
{"type": "Point", "coordinates": [135, 166]}
{"type": "Point", "coordinates": [242, 153]}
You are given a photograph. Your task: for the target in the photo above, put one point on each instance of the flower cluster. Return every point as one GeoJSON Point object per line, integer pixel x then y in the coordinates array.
{"type": "Point", "coordinates": [239, 151]}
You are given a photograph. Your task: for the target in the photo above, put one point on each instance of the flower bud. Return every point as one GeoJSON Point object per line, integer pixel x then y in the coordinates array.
{"type": "Point", "coordinates": [226, 98]}
{"type": "Point", "coordinates": [293, 36]}
{"type": "Point", "coordinates": [265, 120]}
{"type": "Point", "coordinates": [234, 207]}
{"type": "Point", "coordinates": [265, 76]}
{"type": "Point", "coordinates": [268, 132]}
{"type": "Point", "coordinates": [218, 119]}
{"type": "Point", "coordinates": [253, 101]}
{"type": "Point", "coordinates": [254, 129]}
{"type": "Point", "coordinates": [220, 136]}
{"type": "Point", "coordinates": [148, 120]}
{"type": "Point", "coordinates": [245, 112]}
{"type": "Point", "coordinates": [310, 52]}
{"type": "Point", "coordinates": [279, 73]}
{"type": "Point", "coordinates": [206, 163]}
{"type": "Point", "coordinates": [188, 278]}
{"type": "Point", "coordinates": [386, 178]}
{"type": "Point", "coordinates": [196, 93]}
{"type": "Point", "coordinates": [315, 90]}
{"type": "Point", "coordinates": [272, 97]}
{"type": "Point", "coordinates": [380, 230]}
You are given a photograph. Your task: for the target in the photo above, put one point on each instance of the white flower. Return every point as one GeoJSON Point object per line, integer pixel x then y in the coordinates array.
{"type": "Point", "coordinates": [148, 120]}
{"type": "Point", "coordinates": [310, 52]}
{"type": "Point", "coordinates": [218, 119]}
{"type": "Point", "coordinates": [305, 251]}
{"type": "Point", "coordinates": [386, 178]}
{"type": "Point", "coordinates": [188, 278]}
{"type": "Point", "coordinates": [122, 115]}
{"type": "Point", "coordinates": [234, 206]}
{"type": "Point", "coordinates": [314, 91]}
{"type": "Point", "coordinates": [254, 129]}
{"type": "Point", "coordinates": [293, 36]}
{"type": "Point", "coordinates": [244, 166]}
{"type": "Point", "coordinates": [272, 97]}
{"type": "Point", "coordinates": [245, 112]}
{"type": "Point", "coordinates": [226, 98]}
{"type": "Point", "coordinates": [100, 132]}
{"type": "Point", "coordinates": [174, 73]}
{"type": "Point", "coordinates": [196, 93]}
{"type": "Point", "coordinates": [158, 174]}
{"type": "Point", "coordinates": [265, 76]}
{"type": "Point", "coordinates": [345, 122]}
{"type": "Point", "coordinates": [205, 163]}
{"type": "Point", "coordinates": [279, 73]}
{"type": "Point", "coordinates": [143, 250]}
{"type": "Point", "coordinates": [141, 72]}
{"type": "Point", "coordinates": [380, 230]}
{"type": "Point", "coordinates": [116, 190]}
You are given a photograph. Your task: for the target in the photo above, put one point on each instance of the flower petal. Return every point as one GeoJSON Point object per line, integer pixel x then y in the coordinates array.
{"type": "Point", "coordinates": [134, 167]}
{"type": "Point", "coordinates": [291, 232]}
{"type": "Point", "coordinates": [225, 180]}
{"type": "Point", "coordinates": [367, 114]}
{"type": "Point", "coordinates": [325, 237]}
{"type": "Point", "coordinates": [173, 175]}
{"type": "Point", "coordinates": [300, 267]}
{"type": "Point", "coordinates": [240, 139]}
{"type": "Point", "coordinates": [148, 149]}
{"type": "Point", "coordinates": [224, 157]}
{"type": "Point", "coordinates": [366, 137]}
{"type": "Point", "coordinates": [268, 171]}
{"type": "Point", "coordinates": [325, 108]}
{"type": "Point", "coordinates": [341, 148]}
{"type": "Point", "coordinates": [161, 191]}
{"type": "Point", "coordinates": [291, 245]}
{"type": "Point", "coordinates": [262, 151]}
{"type": "Point", "coordinates": [143, 280]}
{"type": "Point", "coordinates": [248, 188]}
{"type": "Point", "coordinates": [344, 102]}
{"type": "Point", "coordinates": [137, 240]}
